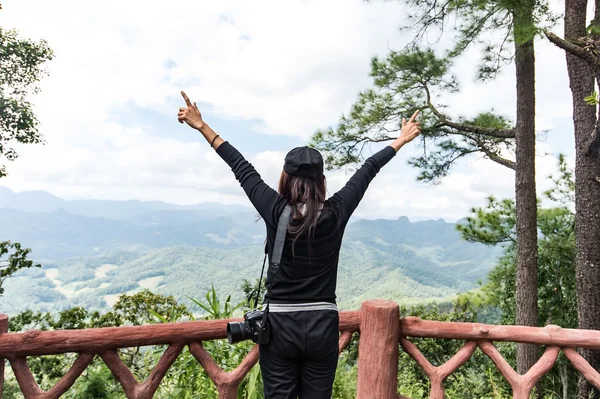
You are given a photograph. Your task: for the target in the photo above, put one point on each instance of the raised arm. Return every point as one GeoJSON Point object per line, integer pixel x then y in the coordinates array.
{"type": "Point", "coordinates": [346, 200]}
{"type": "Point", "coordinates": [267, 201]}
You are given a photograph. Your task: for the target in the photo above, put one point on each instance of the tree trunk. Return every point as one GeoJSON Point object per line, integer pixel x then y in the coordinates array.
{"type": "Point", "coordinates": [587, 189]}
{"type": "Point", "coordinates": [525, 190]}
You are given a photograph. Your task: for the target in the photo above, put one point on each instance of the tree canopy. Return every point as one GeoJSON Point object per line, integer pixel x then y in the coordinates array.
{"type": "Point", "coordinates": [21, 69]}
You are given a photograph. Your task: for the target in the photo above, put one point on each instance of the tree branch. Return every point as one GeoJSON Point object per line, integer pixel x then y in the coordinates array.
{"type": "Point", "coordinates": [573, 49]}
{"type": "Point", "coordinates": [502, 161]}
{"type": "Point", "coordinates": [498, 133]}
{"type": "Point", "coordinates": [493, 156]}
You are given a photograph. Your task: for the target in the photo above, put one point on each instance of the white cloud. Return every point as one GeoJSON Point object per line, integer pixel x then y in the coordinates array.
{"type": "Point", "coordinates": [295, 66]}
{"type": "Point", "coordinates": [287, 63]}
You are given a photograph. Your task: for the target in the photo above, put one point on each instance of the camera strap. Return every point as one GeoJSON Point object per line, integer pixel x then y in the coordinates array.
{"type": "Point", "coordinates": [282, 228]}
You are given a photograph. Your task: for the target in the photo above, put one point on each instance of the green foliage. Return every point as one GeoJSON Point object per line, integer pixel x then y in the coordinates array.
{"type": "Point", "coordinates": [186, 378]}
{"type": "Point", "coordinates": [592, 99]}
{"type": "Point", "coordinates": [22, 68]}
{"type": "Point", "coordinates": [96, 386]}
{"type": "Point", "coordinates": [557, 294]}
{"type": "Point", "coordinates": [213, 308]}
{"type": "Point", "coordinates": [492, 25]}
{"type": "Point", "coordinates": [145, 307]}
{"type": "Point", "coordinates": [12, 259]}
{"type": "Point", "coordinates": [478, 378]}
{"type": "Point", "coordinates": [387, 259]}
{"type": "Point", "coordinates": [563, 190]}
{"type": "Point", "coordinates": [250, 291]}
{"type": "Point", "coordinates": [404, 82]}
{"type": "Point", "coordinates": [30, 320]}
{"type": "Point", "coordinates": [47, 369]}
{"type": "Point", "coordinates": [491, 225]}
{"type": "Point", "coordinates": [11, 390]}
{"type": "Point", "coordinates": [493, 302]}
{"type": "Point", "coordinates": [410, 79]}
{"type": "Point", "coordinates": [495, 224]}
{"type": "Point", "coordinates": [346, 377]}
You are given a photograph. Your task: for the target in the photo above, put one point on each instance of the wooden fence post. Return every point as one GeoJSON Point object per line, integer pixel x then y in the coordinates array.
{"type": "Point", "coordinates": [378, 350]}
{"type": "Point", "coordinates": [3, 329]}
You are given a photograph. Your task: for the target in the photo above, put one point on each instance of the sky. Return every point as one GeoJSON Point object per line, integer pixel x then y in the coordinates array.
{"type": "Point", "coordinates": [266, 75]}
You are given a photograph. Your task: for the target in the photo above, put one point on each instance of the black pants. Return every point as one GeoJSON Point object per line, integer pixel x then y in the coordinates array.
{"type": "Point", "coordinates": [302, 356]}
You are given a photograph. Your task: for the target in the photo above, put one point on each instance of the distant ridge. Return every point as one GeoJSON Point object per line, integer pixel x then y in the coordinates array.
{"type": "Point", "coordinates": [41, 201]}
{"type": "Point", "coordinates": [92, 251]}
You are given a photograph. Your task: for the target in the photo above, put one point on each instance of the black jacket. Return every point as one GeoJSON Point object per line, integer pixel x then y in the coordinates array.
{"type": "Point", "coordinates": [310, 274]}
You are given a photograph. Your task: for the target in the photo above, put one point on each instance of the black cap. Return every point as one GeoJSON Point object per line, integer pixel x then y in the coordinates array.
{"type": "Point", "coordinates": [303, 161]}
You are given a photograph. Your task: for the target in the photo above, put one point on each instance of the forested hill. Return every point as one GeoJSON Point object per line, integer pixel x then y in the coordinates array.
{"type": "Point", "coordinates": [92, 251]}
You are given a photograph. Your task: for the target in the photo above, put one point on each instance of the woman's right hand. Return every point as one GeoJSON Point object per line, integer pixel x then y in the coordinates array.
{"type": "Point", "coordinates": [410, 130]}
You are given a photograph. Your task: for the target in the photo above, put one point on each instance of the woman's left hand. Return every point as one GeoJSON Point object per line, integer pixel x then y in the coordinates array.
{"type": "Point", "coordinates": [190, 114]}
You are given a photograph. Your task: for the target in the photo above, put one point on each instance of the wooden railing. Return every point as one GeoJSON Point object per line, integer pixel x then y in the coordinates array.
{"type": "Point", "coordinates": [382, 333]}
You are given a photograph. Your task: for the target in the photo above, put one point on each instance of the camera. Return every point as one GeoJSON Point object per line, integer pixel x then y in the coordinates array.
{"type": "Point", "coordinates": [251, 328]}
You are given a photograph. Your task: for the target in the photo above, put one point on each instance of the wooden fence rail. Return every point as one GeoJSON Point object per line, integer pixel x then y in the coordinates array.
{"type": "Point", "coordinates": [382, 333]}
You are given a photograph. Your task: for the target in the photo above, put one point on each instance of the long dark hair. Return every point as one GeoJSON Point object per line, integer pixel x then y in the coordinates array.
{"type": "Point", "coordinates": [303, 191]}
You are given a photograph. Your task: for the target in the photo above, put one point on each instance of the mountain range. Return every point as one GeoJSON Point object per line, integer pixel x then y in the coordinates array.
{"type": "Point", "coordinates": [94, 250]}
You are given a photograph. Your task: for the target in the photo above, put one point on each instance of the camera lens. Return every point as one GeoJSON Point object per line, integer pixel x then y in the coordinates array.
{"type": "Point", "coordinates": [237, 332]}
